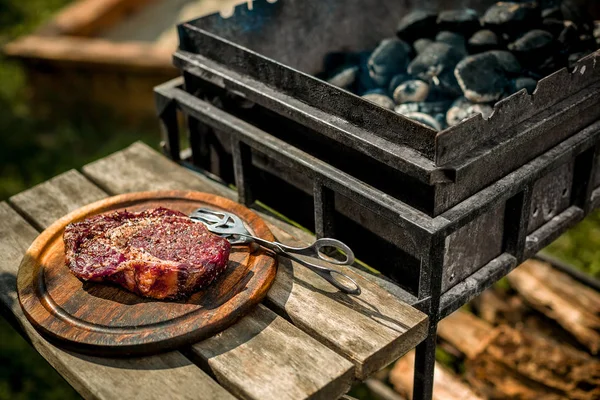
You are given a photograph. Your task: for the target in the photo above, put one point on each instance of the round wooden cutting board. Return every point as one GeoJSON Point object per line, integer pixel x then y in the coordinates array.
{"type": "Point", "coordinates": [104, 319]}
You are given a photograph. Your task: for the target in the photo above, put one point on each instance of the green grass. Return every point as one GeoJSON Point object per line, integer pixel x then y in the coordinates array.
{"type": "Point", "coordinates": [24, 374]}
{"type": "Point", "coordinates": [580, 246]}
{"type": "Point", "coordinates": [33, 150]}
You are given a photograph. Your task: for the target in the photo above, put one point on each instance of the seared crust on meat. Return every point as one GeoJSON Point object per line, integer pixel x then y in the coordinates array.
{"type": "Point", "coordinates": [158, 253]}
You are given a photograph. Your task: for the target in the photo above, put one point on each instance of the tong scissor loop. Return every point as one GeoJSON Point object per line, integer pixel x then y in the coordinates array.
{"type": "Point", "coordinates": [232, 227]}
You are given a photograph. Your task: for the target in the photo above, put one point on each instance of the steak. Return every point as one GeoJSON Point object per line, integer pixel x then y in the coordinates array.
{"type": "Point", "coordinates": [158, 253]}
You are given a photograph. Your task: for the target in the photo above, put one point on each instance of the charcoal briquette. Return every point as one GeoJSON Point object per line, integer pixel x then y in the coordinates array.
{"type": "Point", "coordinates": [507, 61]}
{"type": "Point", "coordinates": [462, 109]}
{"type": "Point", "coordinates": [380, 99]}
{"type": "Point", "coordinates": [425, 119]}
{"type": "Point", "coordinates": [396, 81]}
{"type": "Point", "coordinates": [552, 12]}
{"type": "Point", "coordinates": [441, 119]}
{"type": "Point", "coordinates": [375, 91]}
{"type": "Point", "coordinates": [438, 93]}
{"type": "Point", "coordinates": [572, 41]}
{"type": "Point", "coordinates": [345, 78]}
{"type": "Point", "coordinates": [453, 39]}
{"type": "Point", "coordinates": [554, 26]}
{"type": "Point", "coordinates": [427, 107]}
{"type": "Point", "coordinates": [420, 44]}
{"type": "Point", "coordinates": [411, 91]}
{"type": "Point", "coordinates": [509, 17]}
{"type": "Point", "coordinates": [417, 24]}
{"type": "Point", "coordinates": [364, 81]}
{"type": "Point", "coordinates": [464, 21]}
{"type": "Point", "coordinates": [380, 80]}
{"type": "Point", "coordinates": [533, 46]}
{"type": "Point", "coordinates": [521, 83]}
{"type": "Point", "coordinates": [390, 58]}
{"type": "Point", "coordinates": [572, 11]}
{"type": "Point", "coordinates": [481, 78]}
{"type": "Point", "coordinates": [483, 40]}
{"type": "Point", "coordinates": [436, 65]}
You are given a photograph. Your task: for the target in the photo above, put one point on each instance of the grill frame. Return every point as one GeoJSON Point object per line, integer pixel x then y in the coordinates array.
{"type": "Point", "coordinates": [451, 165]}
{"type": "Point", "coordinates": [514, 190]}
{"type": "Point", "coordinates": [524, 176]}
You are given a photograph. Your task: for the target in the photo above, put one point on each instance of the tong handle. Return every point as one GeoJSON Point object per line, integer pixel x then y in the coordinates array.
{"type": "Point", "coordinates": [341, 281]}
{"type": "Point", "coordinates": [316, 250]}
{"type": "Point", "coordinates": [224, 223]}
{"type": "Point", "coordinates": [337, 279]}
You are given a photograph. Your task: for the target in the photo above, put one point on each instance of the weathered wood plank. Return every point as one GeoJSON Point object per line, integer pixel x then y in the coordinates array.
{"type": "Point", "coordinates": [378, 279]}
{"type": "Point", "coordinates": [265, 357]}
{"type": "Point", "coordinates": [88, 17]}
{"type": "Point", "coordinates": [139, 168]}
{"type": "Point", "coordinates": [446, 385]}
{"type": "Point", "coordinates": [371, 330]}
{"type": "Point", "coordinates": [132, 57]}
{"type": "Point", "coordinates": [506, 362]}
{"type": "Point", "coordinates": [573, 305]}
{"type": "Point", "coordinates": [381, 391]}
{"type": "Point", "coordinates": [284, 369]}
{"type": "Point", "coordinates": [169, 375]}
{"type": "Point", "coordinates": [44, 203]}
{"type": "Point", "coordinates": [472, 335]}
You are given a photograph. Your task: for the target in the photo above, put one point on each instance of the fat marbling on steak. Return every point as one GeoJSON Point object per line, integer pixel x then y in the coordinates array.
{"type": "Point", "coordinates": [158, 253]}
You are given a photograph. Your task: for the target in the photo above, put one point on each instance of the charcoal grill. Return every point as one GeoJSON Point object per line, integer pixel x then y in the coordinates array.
{"type": "Point", "coordinates": [444, 214]}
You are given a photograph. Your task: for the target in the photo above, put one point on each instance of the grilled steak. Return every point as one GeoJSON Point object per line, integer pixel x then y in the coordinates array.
{"type": "Point", "coordinates": [158, 253]}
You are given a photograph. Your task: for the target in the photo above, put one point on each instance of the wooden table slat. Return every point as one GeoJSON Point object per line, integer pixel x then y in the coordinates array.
{"type": "Point", "coordinates": [371, 330]}
{"type": "Point", "coordinates": [138, 168]}
{"type": "Point", "coordinates": [169, 375]}
{"type": "Point", "coordinates": [44, 203]}
{"type": "Point", "coordinates": [279, 362]}
{"type": "Point", "coordinates": [265, 357]}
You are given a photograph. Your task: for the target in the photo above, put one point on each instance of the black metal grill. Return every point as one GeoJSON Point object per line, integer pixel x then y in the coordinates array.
{"type": "Point", "coordinates": [443, 214]}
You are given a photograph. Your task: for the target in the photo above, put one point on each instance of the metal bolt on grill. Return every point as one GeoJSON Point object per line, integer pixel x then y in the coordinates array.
{"type": "Point", "coordinates": [444, 214]}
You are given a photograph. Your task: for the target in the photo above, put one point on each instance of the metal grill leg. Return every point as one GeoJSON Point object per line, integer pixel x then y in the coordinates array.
{"type": "Point", "coordinates": [242, 166]}
{"type": "Point", "coordinates": [424, 367]}
{"type": "Point", "coordinates": [583, 178]}
{"type": "Point", "coordinates": [324, 199]}
{"type": "Point", "coordinates": [200, 143]}
{"type": "Point", "coordinates": [167, 113]}
{"type": "Point", "coordinates": [430, 287]}
{"type": "Point", "coordinates": [515, 222]}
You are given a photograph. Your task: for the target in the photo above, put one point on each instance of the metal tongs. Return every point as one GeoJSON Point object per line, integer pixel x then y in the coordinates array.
{"type": "Point", "coordinates": [231, 227]}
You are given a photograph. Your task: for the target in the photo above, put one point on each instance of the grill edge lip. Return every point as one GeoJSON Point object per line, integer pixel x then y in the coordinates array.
{"type": "Point", "coordinates": [446, 147]}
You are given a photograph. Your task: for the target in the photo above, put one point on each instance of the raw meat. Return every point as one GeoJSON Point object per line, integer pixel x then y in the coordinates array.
{"type": "Point", "coordinates": [158, 253]}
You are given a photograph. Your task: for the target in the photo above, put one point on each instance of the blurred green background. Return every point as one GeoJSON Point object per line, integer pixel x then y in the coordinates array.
{"type": "Point", "coordinates": [33, 150]}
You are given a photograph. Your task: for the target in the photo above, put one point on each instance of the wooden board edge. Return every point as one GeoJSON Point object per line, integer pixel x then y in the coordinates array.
{"type": "Point", "coordinates": [87, 17]}
{"type": "Point", "coordinates": [62, 361]}
{"type": "Point", "coordinates": [130, 55]}
{"type": "Point", "coordinates": [26, 271]}
{"type": "Point", "coordinates": [393, 351]}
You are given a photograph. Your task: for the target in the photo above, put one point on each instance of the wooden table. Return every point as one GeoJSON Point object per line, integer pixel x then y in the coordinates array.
{"type": "Point", "coordinates": [305, 340]}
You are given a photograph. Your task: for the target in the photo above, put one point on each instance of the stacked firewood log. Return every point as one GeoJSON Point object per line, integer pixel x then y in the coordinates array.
{"type": "Point", "coordinates": [536, 337]}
